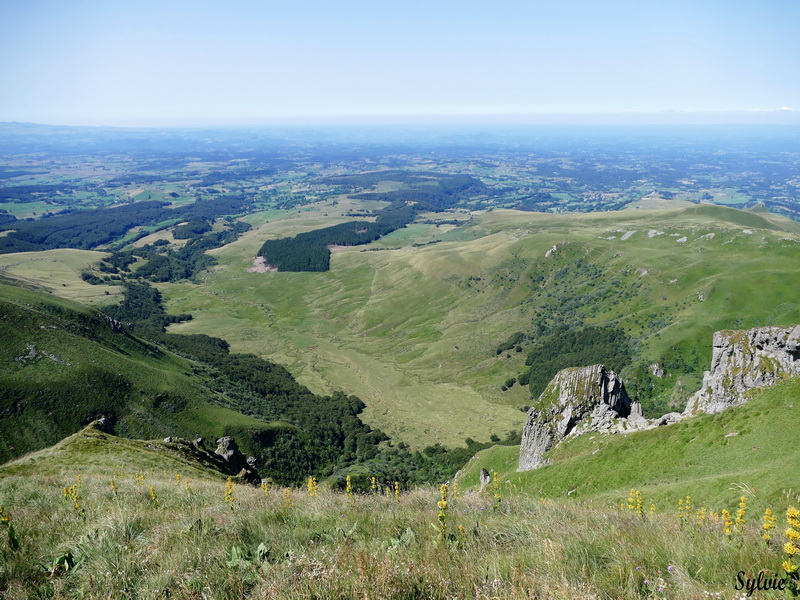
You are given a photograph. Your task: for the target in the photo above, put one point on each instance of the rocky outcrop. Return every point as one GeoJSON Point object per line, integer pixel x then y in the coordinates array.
{"type": "Point", "coordinates": [594, 399]}
{"type": "Point", "coordinates": [743, 360]}
{"type": "Point", "coordinates": [576, 400]}
{"type": "Point", "coordinates": [485, 478]}
{"type": "Point", "coordinates": [236, 462]}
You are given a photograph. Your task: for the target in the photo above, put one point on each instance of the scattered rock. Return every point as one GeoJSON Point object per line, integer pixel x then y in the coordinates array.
{"type": "Point", "coordinates": [103, 424]}
{"type": "Point", "coordinates": [667, 419]}
{"type": "Point", "coordinates": [115, 325]}
{"type": "Point", "coordinates": [31, 355]}
{"type": "Point", "coordinates": [657, 370]}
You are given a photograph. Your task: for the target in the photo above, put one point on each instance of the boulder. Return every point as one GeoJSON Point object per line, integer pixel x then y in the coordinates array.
{"type": "Point", "coordinates": [485, 478]}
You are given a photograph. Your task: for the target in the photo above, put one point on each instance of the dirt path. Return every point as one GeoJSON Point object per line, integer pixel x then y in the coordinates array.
{"type": "Point", "coordinates": [260, 266]}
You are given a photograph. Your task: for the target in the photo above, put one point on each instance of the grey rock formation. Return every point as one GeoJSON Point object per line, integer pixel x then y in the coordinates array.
{"type": "Point", "coordinates": [576, 400]}
{"type": "Point", "coordinates": [103, 424]}
{"type": "Point", "coordinates": [485, 478]}
{"type": "Point", "coordinates": [667, 419]}
{"type": "Point", "coordinates": [743, 360]}
{"type": "Point", "coordinates": [230, 453]}
{"type": "Point", "coordinates": [115, 325]}
{"type": "Point", "coordinates": [594, 399]}
{"type": "Point", "coordinates": [636, 418]}
{"type": "Point", "coordinates": [236, 462]}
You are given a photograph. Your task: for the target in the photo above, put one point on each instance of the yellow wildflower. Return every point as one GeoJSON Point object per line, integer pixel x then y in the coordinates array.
{"type": "Point", "coordinates": [229, 498]}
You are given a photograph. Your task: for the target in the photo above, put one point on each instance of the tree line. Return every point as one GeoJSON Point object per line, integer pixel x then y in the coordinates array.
{"type": "Point", "coordinates": [309, 251]}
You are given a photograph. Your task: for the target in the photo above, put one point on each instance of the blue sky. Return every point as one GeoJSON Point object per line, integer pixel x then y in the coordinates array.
{"type": "Point", "coordinates": [175, 62]}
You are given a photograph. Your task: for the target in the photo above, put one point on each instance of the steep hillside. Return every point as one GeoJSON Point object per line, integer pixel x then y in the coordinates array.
{"type": "Point", "coordinates": [749, 449]}
{"type": "Point", "coordinates": [65, 365]}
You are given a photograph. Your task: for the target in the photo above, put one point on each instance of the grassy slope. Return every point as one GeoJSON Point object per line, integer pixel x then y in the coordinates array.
{"type": "Point", "coordinates": [95, 453]}
{"type": "Point", "coordinates": [77, 355]}
{"type": "Point", "coordinates": [411, 334]}
{"type": "Point", "coordinates": [59, 271]}
{"type": "Point", "coordinates": [694, 457]}
{"type": "Point", "coordinates": [161, 537]}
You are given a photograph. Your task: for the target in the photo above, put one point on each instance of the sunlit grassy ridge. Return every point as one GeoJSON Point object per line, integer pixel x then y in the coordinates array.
{"type": "Point", "coordinates": [59, 271]}
{"type": "Point", "coordinates": [94, 452]}
{"type": "Point", "coordinates": [413, 330]}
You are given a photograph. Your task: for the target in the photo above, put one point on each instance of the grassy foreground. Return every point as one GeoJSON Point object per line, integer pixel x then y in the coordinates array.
{"type": "Point", "coordinates": [159, 535]}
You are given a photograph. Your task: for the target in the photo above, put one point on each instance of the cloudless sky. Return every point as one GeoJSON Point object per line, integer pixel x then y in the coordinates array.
{"type": "Point", "coordinates": [148, 62]}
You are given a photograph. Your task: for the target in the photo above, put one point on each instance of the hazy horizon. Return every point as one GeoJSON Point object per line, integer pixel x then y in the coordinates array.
{"type": "Point", "coordinates": [778, 117]}
{"type": "Point", "coordinates": [200, 63]}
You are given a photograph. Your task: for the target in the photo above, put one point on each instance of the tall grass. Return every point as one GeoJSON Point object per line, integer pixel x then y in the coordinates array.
{"type": "Point", "coordinates": [193, 543]}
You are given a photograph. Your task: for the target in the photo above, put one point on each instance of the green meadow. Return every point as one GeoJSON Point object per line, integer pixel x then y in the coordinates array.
{"type": "Point", "coordinates": [412, 329]}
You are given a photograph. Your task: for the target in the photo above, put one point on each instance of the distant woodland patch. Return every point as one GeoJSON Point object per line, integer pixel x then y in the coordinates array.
{"type": "Point", "coordinates": [87, 229]}
{"type": "Point", "coordinates": [309, 251]}
{"type": "Point", "coordinates": [430, 191]}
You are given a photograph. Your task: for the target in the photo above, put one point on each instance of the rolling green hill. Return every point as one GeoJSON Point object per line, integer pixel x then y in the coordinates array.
{"type": "Point", "coordinates": [412, 323]}
{"type": "Point", "coordinates": [64, 365]}
{"type": "Point", "coordinates": [94, 452]}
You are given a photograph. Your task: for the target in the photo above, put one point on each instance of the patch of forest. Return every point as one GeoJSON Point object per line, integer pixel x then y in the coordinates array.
{"type": "Point", "coordinates": [29, 193]}
{"type": "Point", "coordinates": [309, 251]}
{"type": "Point", "coordinates": [161, 263]}
{"type": "Point", "coordinates": [574, 348]}
{"type": "Point", "coordinates": [430, 191]}
{"type": "Point", "coordinates": [80, 229]}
